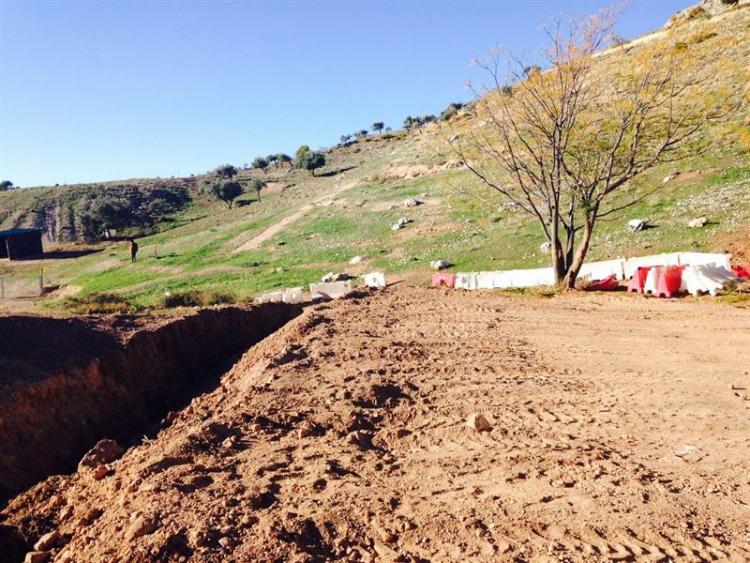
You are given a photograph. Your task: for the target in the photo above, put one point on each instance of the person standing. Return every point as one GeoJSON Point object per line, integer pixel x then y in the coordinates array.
{"type": "Point", "coordinates": [133, 249]}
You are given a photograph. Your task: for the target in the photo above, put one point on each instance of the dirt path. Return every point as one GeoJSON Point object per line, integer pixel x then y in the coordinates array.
{"type": "Point", "coordinates": [260, 238]}
{"type": "Point", "coordinates": [620, 430]}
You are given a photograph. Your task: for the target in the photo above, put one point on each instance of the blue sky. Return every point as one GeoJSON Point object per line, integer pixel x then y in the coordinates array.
{"type": "Point", "coordinates": [93, 91]}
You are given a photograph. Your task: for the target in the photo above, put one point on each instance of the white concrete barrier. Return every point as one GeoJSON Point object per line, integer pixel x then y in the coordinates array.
{"type": "Point", "coordinates": [706, 258]}
{"type": "Point", "coordinates": [271, 297]}
{"type": "Point", "coordinates": [374, 279]}
{"type": "Point", "coordinates": [604, 269]}
{"type": "Point", "coordinates": [619, 267]}
{"type": "Point", "coordinates": [330, 290]}
{"type": "Point", "coordinates": [293, 295]}
{"type": "Point", "coordinates": [466, 280]}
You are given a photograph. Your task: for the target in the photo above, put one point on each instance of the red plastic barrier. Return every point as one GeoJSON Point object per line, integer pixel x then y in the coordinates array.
{"type": "Point", "coordinates": [443, 279]}
{"type": "Point", "coordinates": [639, 279]}
{"type": "Point", "coordinates": [607, 284]}
{"type": "Point", "coordinates": [670, 280]}
{"type": "Point", "coordinates": [742, 271]}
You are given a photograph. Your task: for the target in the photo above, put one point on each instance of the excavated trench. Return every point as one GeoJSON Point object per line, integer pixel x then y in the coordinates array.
{"type": "Point", "coordinates": [81, 384]}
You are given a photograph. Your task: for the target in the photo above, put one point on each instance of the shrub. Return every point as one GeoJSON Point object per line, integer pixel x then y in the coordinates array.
{"type": "Point", "coordinates": [696, 12]}
{"type": "Point", "coordinates": [451, 110]}
{"type": "Point", "coordinates": [99, 304]}
{"type": "Point", "coordinates": [260, 163]}
{"type": "Point", "coordinates": [284, 158]}
{"type": "Point", "coordinates": [194, 298]}
{"type": "Point", "coordinates": [109, 212]}
{"type": "Point", "coordinates": [226, 171]}
{"type": "Point", "coordinates": [702, 36]}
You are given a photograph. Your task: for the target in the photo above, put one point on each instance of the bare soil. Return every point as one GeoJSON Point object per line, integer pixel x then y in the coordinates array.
{"type": "Point", "coordinates": [620, 430]}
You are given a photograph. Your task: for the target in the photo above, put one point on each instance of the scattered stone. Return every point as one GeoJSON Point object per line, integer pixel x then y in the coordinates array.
{"type": "Point", "coordinates": [225, 542]}
{"type": "Point", "coordinates": [698, 223]}
{"type": "Point", "coordinates": [37, 557]}
{"type": "Point", "coordinates": [48, 541]}
{"type": "Point", "coordinates": [637, 224]}
{"type": "Point", "coordinates": [545, 247]}
{"type": "Point", "coordinates": [331, 277]}
{"type": "Point", "coordinates": [100, 472]}
{"type": "Point", "coordinates": [689, 453]}
{"type": "Point", "coordinates": [141, 526]}
{"type": "Point", "coordinates": [356, 260]}
{"type": "Point", "coordinates": [361, 439]}
{"type": "Point", "coordinates": [478, 422]}
{"type": "Point", "coordinates": [414, 202]}
{"type": "Point", "coordinates": [440, 264]}
{"type": "Point", "coordinates": [66, 513]}
{"type": "Point", "coordinates": [105, 451]}
{"type": "Point", "coordinates": [90, 516]}
{"type": "Point", "coordinates": [306, 429]}
{"type": "Point", "coordinates": [401, 223]}
{"type": "Point", "coordinates": [669, 177]}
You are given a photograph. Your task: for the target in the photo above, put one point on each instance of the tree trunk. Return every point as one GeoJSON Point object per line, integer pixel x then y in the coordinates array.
{"type": "Point", "coordinates": [569, 282]}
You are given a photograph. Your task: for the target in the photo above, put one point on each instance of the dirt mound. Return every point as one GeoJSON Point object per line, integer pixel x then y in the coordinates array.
{"type": "Point", "coordinates": [614, 428]}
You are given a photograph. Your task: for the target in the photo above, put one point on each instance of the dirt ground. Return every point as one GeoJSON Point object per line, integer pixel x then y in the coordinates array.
{"type": "Point", "coordinates": [619, 430]}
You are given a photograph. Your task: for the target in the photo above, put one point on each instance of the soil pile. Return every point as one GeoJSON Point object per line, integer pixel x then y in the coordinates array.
{"type": "Point", "coordinates": [418, 425]}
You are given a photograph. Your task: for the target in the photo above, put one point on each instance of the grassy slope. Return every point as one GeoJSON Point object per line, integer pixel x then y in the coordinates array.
{"type": "Point", "coordinates": [461, 221]}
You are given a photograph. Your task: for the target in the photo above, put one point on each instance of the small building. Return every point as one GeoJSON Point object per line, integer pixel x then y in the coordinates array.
{"type": "Point", "coordinates": [17, 244]}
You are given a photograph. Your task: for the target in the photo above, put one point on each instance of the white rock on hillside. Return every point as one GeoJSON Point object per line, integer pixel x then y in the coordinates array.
{"type": "Point", "coordinates": [636, 224]}
{"type": "Point", "coordinates": [440, 264]}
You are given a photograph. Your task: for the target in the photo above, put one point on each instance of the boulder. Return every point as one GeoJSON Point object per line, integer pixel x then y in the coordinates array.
{"type": "Point", "coordinates": [401, 223]}
{"type": "Point", "coordinates": [140, 526]}
{"type": "Point", "coordinates": [698, 223]}
{"type": "Point", "coordinates": [48, 541]}
{"type": "Point", "coordinates": [37, 557]}
{"type": "Point", "coordinates": [356, 260]}
{"type": "Point", "coordinates": [105, 451]}
{"type": "Point", "coordinates": [478, 422]}
{"type": "Point", "coordinates": [331, 277]}
{"type": "Point", "coordinates": [413, 202]}
{"type": "Point", "coordinates": [440, 264]}
{"type": "Point", "coordinates": [637, 224]}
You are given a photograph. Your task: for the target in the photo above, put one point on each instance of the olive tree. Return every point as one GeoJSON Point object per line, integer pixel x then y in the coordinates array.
{"type": "Point", "coordinates": [561, 142]}
{"type": "Point", "coordinates": [307, 159]}
{"type": "Point", "coordinates": [257, 185]}
{"type": "Point", "coordinates": [225, 191]}
{"type": "Point", "coordinates": [225, 171]}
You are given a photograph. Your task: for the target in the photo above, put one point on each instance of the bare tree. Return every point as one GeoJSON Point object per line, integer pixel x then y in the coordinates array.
{"type": "Point", "coordinates": [561, 142]}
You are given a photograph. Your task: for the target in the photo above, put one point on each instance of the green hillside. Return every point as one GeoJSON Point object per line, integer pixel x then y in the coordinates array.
{"type": "Point", "coordinates": [306, 225]}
